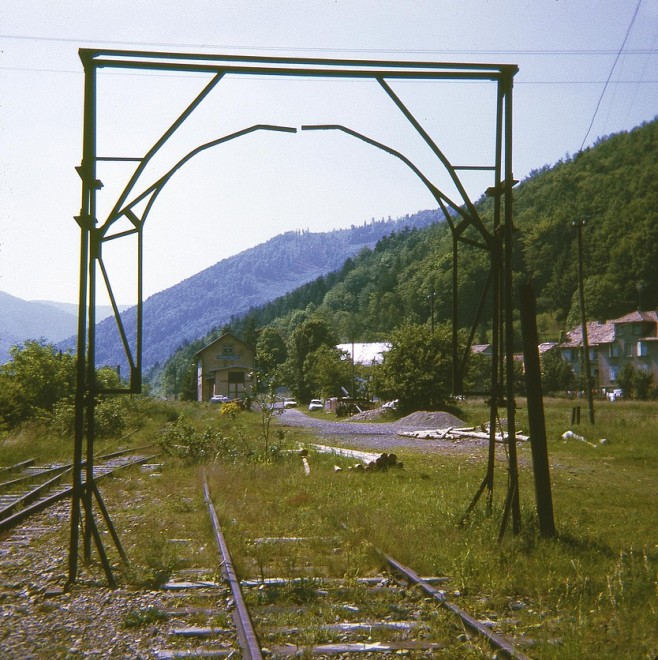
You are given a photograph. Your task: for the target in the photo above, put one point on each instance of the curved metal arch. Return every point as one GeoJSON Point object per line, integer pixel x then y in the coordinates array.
{"type": "Point", "coordinates": [441, 198]}
{"type": "Point", "coordinates": [156, 188]}
{"type": "Point", "coordinates": [475, 218]}
{"type": "Point", "coordinates": [143, 162]}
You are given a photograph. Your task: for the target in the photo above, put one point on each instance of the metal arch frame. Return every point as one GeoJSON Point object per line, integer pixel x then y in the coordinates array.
{"type": "Point", "coordinates": [498, 240]}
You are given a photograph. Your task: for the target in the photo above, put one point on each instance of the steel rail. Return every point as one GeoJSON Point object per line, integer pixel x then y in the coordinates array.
{"type": "Point", "coordinates": [495, 640]}
{"type": "Point", "coordinates": [30, 496]}
{"type": "Point", "coordinates": [246, 634]}
{"type": "Point", "coordinates": [40, 505]}
{"type": "Point", "coordinates": [122, 452]}
{"type": "Point", "coordinates": [18, 466]}
{"type": "Point", "coordinates": [43, 472]}
{"type": "Point", "coordinates": [35, 475]}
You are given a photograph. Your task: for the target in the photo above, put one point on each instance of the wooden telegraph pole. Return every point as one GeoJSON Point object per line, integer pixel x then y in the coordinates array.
{"type": "Point", "coordinates": [579, 224]}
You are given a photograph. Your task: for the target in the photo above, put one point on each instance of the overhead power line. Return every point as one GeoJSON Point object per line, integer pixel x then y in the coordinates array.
{"type": "Point", "coordinates": [614, 64]}
{"type": "Point", "coordinates": [289, 49]}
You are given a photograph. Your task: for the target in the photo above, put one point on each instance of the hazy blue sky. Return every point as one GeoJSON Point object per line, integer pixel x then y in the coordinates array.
{"type": "Point", "coordinates": [246, 191]}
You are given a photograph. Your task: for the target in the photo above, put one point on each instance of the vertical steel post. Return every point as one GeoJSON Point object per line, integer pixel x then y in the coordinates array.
{"type": "Point", "coordinates": [496, 256]}
{"type": "Point", "coordinates": [136, 376]}
{"type": "Point", "coordinates": [513, 493]}
{"type": "Point", "coordinates": [457, 376]}
{"type": "Point", "coordinates": [94, 248]}
{"type": "Point", "coordinates": [80, 394]}
{"type": "Point", "coordinates": [85, 220]}
{"type": "Point", "coordinates": [86, 371]}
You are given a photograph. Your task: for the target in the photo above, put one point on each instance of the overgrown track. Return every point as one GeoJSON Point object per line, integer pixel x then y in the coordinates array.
{"type": "Point", "coordinates": [289, 607]}
{"type": "Point", "coordinates": [31, 488]}
{"type": "Point", "coordinates": [393, 612]}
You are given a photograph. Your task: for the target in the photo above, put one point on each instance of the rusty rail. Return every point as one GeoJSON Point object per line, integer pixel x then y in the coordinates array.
{"type": "Point", "coordinates": [44, 503]}
{"type": "Point", "coordinates": [246, 634]}
{"type": "Point", "coordinates": [495, 640]}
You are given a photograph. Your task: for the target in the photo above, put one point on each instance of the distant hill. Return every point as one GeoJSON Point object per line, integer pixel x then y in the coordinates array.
{"type": "Point", "coordinates": [231, 287]}
{"type": "Point", "coordinates": [23, 319]}
{"type": "Point", "coordinates": [612, 186]}
{"type": "Point", "coordinates": [102, 311]}
{"type": "Point", "coordinates": [54, 322]}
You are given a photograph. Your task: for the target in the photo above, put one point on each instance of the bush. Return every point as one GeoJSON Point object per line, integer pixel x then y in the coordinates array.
{"type": "Point", "coordinates": [182, 440]}
{"type": "Point", "coordinates": [636, 383]}
{"type": "Point", "coordinates": [35, 380]}
{"type": "Point", "coordinates": [110, 417]}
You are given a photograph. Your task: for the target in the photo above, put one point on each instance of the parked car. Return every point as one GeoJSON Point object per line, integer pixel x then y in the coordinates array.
{"type": "Point", "coordinates": [289, 403]}
{"type": "Point", "coordinates": [316, 404]}
{"type": "Point", "coordinates": [615, 394]}
{"type": "Point", "coordinates": [219, 398]}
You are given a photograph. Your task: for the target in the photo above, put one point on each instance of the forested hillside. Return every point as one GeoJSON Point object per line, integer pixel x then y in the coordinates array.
{"type": "Point", "coordinates": [209, 299]}
{"type": "Point", "coordinates": [612, 187]}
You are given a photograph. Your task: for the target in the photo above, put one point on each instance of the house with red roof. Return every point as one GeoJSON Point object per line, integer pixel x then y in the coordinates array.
{"type": "Point", "coordinates": [629, 340]}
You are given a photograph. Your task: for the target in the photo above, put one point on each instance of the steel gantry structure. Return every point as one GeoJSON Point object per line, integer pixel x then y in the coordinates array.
{"type": "Point", "coordinates": [132, 206]}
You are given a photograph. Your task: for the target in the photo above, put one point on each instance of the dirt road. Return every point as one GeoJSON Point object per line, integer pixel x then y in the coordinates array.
{"type": "Point", "coordinates": [380, 436]}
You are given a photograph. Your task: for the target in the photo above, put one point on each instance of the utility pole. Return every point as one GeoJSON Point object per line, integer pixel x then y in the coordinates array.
{"type": "Point", "coordinates": [579, 224]}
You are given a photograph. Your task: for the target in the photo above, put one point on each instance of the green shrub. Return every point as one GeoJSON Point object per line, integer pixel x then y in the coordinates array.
{"type": "Point", "coordinates": [182, 440]}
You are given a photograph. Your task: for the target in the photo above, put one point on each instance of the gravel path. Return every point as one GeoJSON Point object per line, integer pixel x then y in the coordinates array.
{"type": "Point", "coordinates": [381, 436]}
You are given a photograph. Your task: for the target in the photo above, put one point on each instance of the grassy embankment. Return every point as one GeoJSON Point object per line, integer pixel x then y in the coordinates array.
{"type": "Point", "coordinates": [589, 593]}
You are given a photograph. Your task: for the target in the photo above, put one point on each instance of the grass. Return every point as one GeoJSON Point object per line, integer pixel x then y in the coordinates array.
{"type": "Point", "coordinates": [591, 592]}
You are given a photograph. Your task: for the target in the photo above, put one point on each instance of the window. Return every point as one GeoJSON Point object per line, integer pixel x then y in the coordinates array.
{"type": "Point", "coordinates": [642, 349]}
{"type": "Point", "coordinates": [628, 349]}
{"type": "Point", "coordinates": [236, 377]}
{"type": "Point", "coordinates": [614, 351]}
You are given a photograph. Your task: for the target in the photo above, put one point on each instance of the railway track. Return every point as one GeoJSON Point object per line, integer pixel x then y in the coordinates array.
{"type": "Point", "coordinates": [305, 614]}
{"type": "Point", "coordinates": [26, 488]}
{"type": "Point", "coordinates": [284, 606]}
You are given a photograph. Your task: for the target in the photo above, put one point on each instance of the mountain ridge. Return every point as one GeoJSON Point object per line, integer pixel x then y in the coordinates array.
{"type": "Point", "coordinates": [193, 307]}
{"type": "Point", "coordinates": [22, 320]}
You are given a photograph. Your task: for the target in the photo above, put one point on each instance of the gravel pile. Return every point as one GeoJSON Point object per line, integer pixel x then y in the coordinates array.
{"type": "Point", "coordinates": [420, 419]}
{"type": "Point", "coordinates": [430, 420]}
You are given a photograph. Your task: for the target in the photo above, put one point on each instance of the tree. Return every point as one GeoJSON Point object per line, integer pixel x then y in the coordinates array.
{"type": "Point", "coordinates": [327, 370]}
{"type": "Point", "coordinates": [478, 374]}
{"type": "Point", "coordinates": [417, 369]}
{"type": "Point", "coordinates": [557, 375]}
{"type": "Point", "coordinates": [271, 352]}
{"type": "Point", "coordinates": [37, 377]}
{"type": "Point", "coordinates": [307, 337]}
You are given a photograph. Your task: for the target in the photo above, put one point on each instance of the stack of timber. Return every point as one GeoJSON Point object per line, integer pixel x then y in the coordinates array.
{"type": "Point", "coordinates": [463, 433]}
